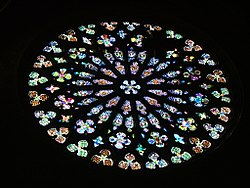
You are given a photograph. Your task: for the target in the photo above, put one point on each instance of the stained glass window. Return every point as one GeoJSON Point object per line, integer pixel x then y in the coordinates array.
{"type": "Point", "coordinates": [130, 95]}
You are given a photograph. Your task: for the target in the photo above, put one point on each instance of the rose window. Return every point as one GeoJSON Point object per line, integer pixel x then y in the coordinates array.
{"type": "Point", "coordinates": [130, 95]}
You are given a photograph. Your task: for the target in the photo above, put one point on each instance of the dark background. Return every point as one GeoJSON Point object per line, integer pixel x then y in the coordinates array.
{"type": "Point", "coordinates": [33, 162]}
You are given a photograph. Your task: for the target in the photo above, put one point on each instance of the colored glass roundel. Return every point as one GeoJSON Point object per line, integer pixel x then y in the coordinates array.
{"type": "Point", "coordinates": [130, 95]}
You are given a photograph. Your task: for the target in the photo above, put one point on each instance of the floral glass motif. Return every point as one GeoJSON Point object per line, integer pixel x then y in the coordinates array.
{"type": "Point", "coordinates": [103, 157]}
{"type": "Point", "coordinates": [79, 148]}
{"type": "Point", "coordinates": [87, 126]}
{"type": "Point", "coordinates": [155, 161]}
{"type": "Point", "coordinates": [35, 79]}
{"type": "Point", "coordinates": [120, 140]}
{"type": "Point", "coordinates": [179, 156]}
{"type": "Point", "coordinates": [45, 117]}
{"type": "Point", "coordinates": [59, 135]}
{"type": "Point", "coordinates": [199, 145]}
{"type": "Point", "coordinates": [35, 98]}
{"type": "Point", "coordinates": [130, 162]}
{"type": "Point", "coordinates": [102, 87]}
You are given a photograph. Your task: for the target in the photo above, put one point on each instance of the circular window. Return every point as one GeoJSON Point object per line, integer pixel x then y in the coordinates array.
{"type": "Point", "coordinates": [132, 95]}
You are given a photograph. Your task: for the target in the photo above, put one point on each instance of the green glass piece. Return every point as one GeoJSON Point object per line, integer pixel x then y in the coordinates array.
{"type": "Point", "coordinates": [83, 143]}
{"type": "Point", "coordinates": [32, 83]}
{"type": "Point", "coordinates": [57, 50]}
{"type": "Point", "coordinates": [68, 76]}
{"type": "Point", "coordinates": [82, 153]}
{"type": "Point", "coordinates": [175, 150]}
{"type": "Point", "coordinates": [216, 94]}
{"type": "Point", "coordinates": [178, 36]}
{"type": "Point", "coordinates": [43, 80]}
{"type": "Point", "coordinates": [150, 165]}
{"type": "Point", "coordinates": [226, 99]}
{"type": "Point", "coordinates": [44, 121]}
{"type": "Point", "coordinates": [73, 56]}
{"type": "Point", "coordinates": [33, 75]}
{"type": "Point", "coordinates": [186, 156]}
{"type": "Point", "coordinates": [72, 147]}
{"type": "Point", "coordinates": [224, 91]}
{"type": "Point", "coordinates": [60, 60]}
{"type": "Point", "coordinates": [81, 28]}
{"type": "Point", "coordinates": [55, 74]}
{"type": "Point", "coordinates": [60, 79]}
{"type": "Point", "coordinates": [176, 159]}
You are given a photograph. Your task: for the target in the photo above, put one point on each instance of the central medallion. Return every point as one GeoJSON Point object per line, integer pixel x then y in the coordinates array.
{"type": "Point", "coordinates": [130, 87]}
